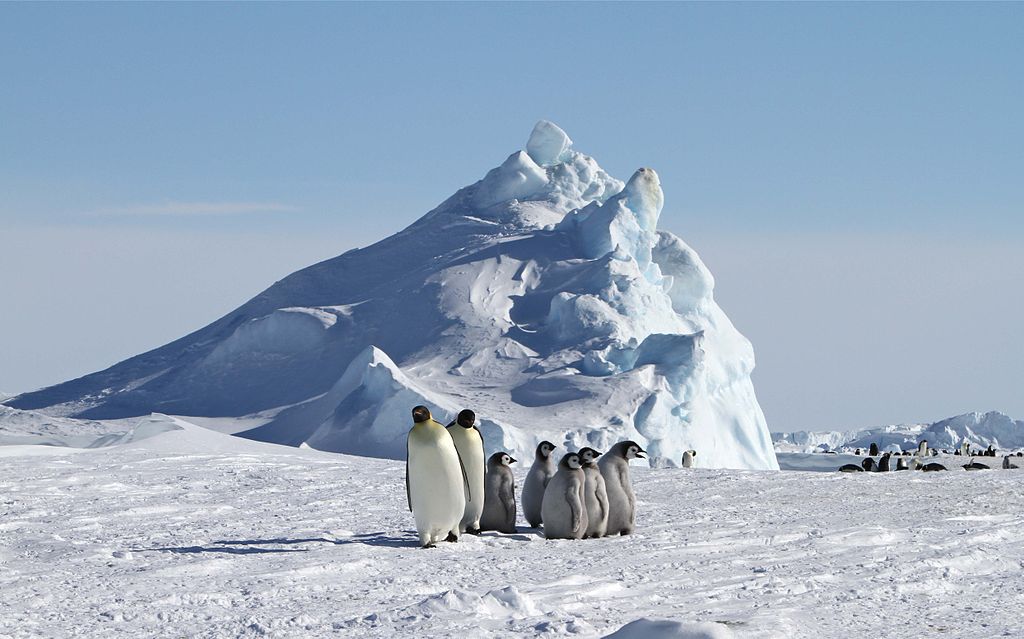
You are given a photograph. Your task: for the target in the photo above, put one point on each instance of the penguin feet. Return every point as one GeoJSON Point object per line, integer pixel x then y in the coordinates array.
{"type": "Point", "coordinates": [452, 537]}
{"type": "Point", "coordinates": [428, 546]}
{"type": "Point", "coordinates": [473, 531]}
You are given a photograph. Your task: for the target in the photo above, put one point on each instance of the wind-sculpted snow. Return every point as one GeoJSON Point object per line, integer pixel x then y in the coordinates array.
{"type": "Point", "coordinates": [543, 297]}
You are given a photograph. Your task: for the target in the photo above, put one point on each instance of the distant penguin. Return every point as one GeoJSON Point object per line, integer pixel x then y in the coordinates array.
{"type": "Point", "coordinates": [536, 481]}
{"type": "Point", "coordinates": [932, 467]}
{"type": "Point", "coordinates": [595, 495]}
{"type": "Point", "coordinates": [990, 452]}
{"type": "Point", "coordinates": [901, 464]}
{"type": "Point", "coordinates": [470, 444]}
{"type": "Point", "coordinates": [499, 495]}
{"type": "Point", "coordinates": [869, 465]}
{"type": "Point", "coordinates": [435, 482]}
{"type": "Point", "coordinates": [976, 466]}
{"type": "Point", "coordinates": [922, 448]}
{"type": "Point", "coordinates": [614, 467]}
{"type": "Point", "coordinates": [857, 452]}
{"type": "Point", "coordinates": [688, 458]}
{"type": "Point", "coordinates": [563, 509]}
{"type": "Point", "coordinates": [965, 449]}
{"type": "Point", "coordinates": [1007, 465]}
{"type": "Point", "coordinates": [883, 463]}
{"type": "Point", "coordinates": [873, 451]}
{"type": "Point", "coordinates": [850, 468]}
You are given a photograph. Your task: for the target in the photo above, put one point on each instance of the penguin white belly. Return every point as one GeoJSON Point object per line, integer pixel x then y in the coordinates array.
{"type": "Point", "coordinates": [471, 449]}
{"type": "Point", "coordinates": [436, 487]}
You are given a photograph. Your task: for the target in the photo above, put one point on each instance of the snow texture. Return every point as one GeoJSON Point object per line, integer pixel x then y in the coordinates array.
{"type": "Point", "coordinates": [543, 297]}
{"type": "Point", "coordinates": [189, 532]}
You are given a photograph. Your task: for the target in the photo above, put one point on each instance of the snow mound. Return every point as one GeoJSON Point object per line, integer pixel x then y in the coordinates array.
{"type": "Point", "coordinates": [662, 629]}
{"type": "Point", "coordinates": [543, 296]}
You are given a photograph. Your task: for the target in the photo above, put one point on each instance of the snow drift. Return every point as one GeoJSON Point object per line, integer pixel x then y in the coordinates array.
{"type": "Point", "coordinates": [543, 296]}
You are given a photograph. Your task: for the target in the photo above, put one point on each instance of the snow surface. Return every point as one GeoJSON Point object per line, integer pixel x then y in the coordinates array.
{"type": "Point", "coordinates": [181, 531]}
{"type": "Point", "coordinates": [543, 297]}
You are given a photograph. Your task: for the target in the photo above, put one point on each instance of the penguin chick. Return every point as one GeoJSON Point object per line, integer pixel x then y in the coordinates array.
{"type": "Point", "coordinates": [499, 495]}
{"type": "Point", "coordinates": [595, 494]}
{"type": "Point", "coordinates": [536, 481]}
{"type": "Point", "coordinates": [435, 482]}
{"type": "Point", "coordinates": [563, 510]}
{"type": "Point", "coordinates": [470, 444]}
{"type": "Point", "coordinates": [688, 458]}
{"type": "Point", "coordinates": [614, 467]}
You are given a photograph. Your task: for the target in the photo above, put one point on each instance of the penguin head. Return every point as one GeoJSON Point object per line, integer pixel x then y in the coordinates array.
{"type": "Point", "coordinates": [500, 459]}
{"type": "Point", "coordinates": [570, 461]}
{"type": "Point", "coordinates": [544, 449]}
{"type": "Point", "coordinates": [631, 449]}
{"type": "Point", "coordinates": [466, 418]}
{"type": "Point", "coordinates": [420, 414]}
{"type": "Point", "coordinates": [588, 455]}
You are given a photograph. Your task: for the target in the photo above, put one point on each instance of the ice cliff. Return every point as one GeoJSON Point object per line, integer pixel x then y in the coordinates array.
{"type": "Point", "coordinates": [543, 296]}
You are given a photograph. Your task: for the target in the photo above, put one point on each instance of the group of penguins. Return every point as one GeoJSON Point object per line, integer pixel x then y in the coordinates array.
{"type": "Point", "coordinates": [885, 461]}
{"type": "Point", "coordinates": [450, 492]}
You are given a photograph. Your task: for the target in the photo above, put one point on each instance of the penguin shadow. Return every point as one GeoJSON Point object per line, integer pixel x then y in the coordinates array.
{"type": "Point", "coordinates": [250, 549]}
{"type": "Point", "coordinates": [408, 539]}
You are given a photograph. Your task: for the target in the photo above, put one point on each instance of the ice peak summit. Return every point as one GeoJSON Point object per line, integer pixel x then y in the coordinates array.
{"type": "Point", "coordinates": [548, 143]}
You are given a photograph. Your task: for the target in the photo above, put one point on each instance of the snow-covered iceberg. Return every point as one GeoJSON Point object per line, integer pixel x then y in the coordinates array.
{"type": "Point", "coordinates": [543, 296]}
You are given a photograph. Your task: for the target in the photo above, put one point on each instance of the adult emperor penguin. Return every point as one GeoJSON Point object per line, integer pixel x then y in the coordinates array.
{"type": "Point", "coordinates": [883, 463]}
{"type": "Point", "coordinates": [470, 444]}
{"type": "Point", "coordinates": [435, 482]}
{"type": "Point", "coordinates": [965, 449]}
{"type": "Point", "coordinates": [688, 458]}
{"type": "Point", "coordinates": [536, 481]}
{"type": "Point", "coordinates": [901, 464]}
{"type": "Point", "coordinates": [499, 495]}
{"type": "Point", "coordinates": [563, 508]}
{"type": "Point", "coordinates": [922, 448]}
{"type": "Point", "coordinates": [595, 495]}
{"type": "Point", "coordinates": [614, 467]}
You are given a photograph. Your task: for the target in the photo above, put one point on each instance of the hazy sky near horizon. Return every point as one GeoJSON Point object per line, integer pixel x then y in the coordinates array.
{"type": "Point", "coordinates": [851, 173]}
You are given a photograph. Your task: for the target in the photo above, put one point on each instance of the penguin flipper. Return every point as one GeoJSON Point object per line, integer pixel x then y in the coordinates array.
{"type": "Point", "coordinates": [572, 495]}
{"type": "Point", "coordinates": [508, 498]}
{"type": "Point", "coordinates": [465, 477]}
{"type": "Point", "coordinates": [408, 492]}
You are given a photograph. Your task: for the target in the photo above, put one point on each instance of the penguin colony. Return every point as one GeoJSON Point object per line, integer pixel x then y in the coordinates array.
{"type": "Point", "coordinates": [451, 490]}
{"type": "Point", "coordinates": [884, 463]}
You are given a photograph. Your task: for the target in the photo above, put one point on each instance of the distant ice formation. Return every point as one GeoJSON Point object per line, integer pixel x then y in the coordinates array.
{"type": "Point", "coordinates": [543, 296]}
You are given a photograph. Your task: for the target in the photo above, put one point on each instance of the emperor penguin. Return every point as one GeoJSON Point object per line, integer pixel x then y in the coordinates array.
{"type": "Point", "coordinates": [1007, 465]}
{"type": "Point", "coordinates": [499, 495]}
{"type": "Point", "coordinates": [883, 463]}
{"type": "Point", "coordinates": [869, 465]}
{"type": "Point", "coordinates": [614, 467]}
{"type": "Point", "coordinates": [536, 481]}
{"type": "Point", "coordinates": [435, 481]}
{"type": "Point", "coordinates": [470, 444]}
{"type": "Point", "coordinates": [563, 508]}
{"type": "Point", "coordinates": [595, 495]}
{"type": "Point", "coordinates": [922, 448]}
{"type": "Point", "coordinates": [965, 449]}
{"type": "Point", "coordinates": [850, 468]}
{"type": "Point", "coordinates": [688, 458]}
{"type": "Point", "coordinates": [873, 450]}
{"type": "Point", "coordinates": [901, 464]}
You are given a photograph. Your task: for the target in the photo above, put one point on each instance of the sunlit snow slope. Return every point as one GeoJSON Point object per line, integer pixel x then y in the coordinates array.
{"type": "Point", "coordinates": [543, 297]}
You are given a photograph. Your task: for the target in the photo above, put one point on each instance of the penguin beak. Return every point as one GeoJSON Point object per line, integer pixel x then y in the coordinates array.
{"type": "Point", "coordinates": [511, 461]}
{"type": "Point", "coordinates": [640, 453]}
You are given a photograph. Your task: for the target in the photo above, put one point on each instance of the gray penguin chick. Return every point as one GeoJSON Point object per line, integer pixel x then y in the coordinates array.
{"type": "Point", "coordinates": [499, 495]}
{"type": "Point", "coordinates": [595, 496]}
{"type": "Point", "coordinates": [565, 516]}
{"type": "Point", "coordinates": [536, 481]}
{"type": "Point", "coordinates": [614, 467]}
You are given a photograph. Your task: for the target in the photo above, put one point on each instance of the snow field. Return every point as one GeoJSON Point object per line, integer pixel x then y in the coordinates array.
{"type": "Point", "coordinates": [159, 538]}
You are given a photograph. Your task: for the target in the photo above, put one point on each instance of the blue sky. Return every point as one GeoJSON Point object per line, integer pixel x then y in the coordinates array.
{"type": "Point", "coordinates": [162, 163]}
